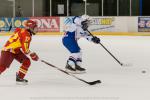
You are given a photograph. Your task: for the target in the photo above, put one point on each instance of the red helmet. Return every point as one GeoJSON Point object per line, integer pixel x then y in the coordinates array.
{"type": "Point", "coordinates": [30, 24]}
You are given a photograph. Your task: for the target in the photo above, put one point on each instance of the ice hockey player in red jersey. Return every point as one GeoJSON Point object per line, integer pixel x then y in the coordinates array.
{"type": "Point", "coordinates": [17, 47]}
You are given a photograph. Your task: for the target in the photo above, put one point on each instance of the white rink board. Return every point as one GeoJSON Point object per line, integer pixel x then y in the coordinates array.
{"type": "Point", "coordinates": [120, 24]}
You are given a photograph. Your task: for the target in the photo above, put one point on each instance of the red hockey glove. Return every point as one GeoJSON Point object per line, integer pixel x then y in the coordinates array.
{"type": "Point", "coordinates": [34, 56]}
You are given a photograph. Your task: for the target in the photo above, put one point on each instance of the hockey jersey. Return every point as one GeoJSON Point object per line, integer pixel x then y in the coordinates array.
{"type": "Point", "coordinates": [73, 28]}
{"type": "Point", "coordinates": [20, 39]}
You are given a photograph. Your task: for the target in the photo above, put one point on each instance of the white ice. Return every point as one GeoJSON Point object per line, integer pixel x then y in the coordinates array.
{"type": "Point", "coordinates": [118, 83]}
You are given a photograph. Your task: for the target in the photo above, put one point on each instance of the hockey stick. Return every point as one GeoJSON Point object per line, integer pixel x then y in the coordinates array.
{"type": "Point", "coordinates": [90, 83]}
{"type": "Point", "coordinates": [102, 28]}
{"type": "Point", "coordinates": [10, 27]}
{"type": "Point", "coordinates": [120, 63]}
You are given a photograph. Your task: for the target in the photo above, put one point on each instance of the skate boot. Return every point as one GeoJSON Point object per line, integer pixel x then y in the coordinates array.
{"type": "Point", "coordinates": [20, 81]}
{"type": "Point", "coordinates": [70, 69]}
{"type": "Point", "coordinates": [80, 70]}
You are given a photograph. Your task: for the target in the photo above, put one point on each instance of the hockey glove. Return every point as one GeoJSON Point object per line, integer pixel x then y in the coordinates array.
{"type": "Point", "coordinates": [96, 39]}
{"type": "Point", "coordinates": [84, 25]}
{"type": "Point", "coordinates": [34, 56]}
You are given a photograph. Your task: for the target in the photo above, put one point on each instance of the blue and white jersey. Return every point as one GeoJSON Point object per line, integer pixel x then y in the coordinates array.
{"type": "Point", "coordinates": [73, 28]}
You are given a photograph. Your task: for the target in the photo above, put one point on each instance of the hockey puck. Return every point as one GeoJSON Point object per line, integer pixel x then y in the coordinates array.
{"type": "Point", "coordinates": [143, 71]}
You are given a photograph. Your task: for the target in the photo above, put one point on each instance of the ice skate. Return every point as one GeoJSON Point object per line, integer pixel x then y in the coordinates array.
{"type": "Point", "coordinates": [20, 81]}
{"type": "Point", "coordinates": [69, 69]}
{"type": "Point", "coordinates": [80, 70]}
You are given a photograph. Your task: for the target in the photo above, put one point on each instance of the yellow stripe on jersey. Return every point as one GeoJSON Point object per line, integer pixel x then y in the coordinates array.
{"type": "Point", "coordinates": [26, 46]}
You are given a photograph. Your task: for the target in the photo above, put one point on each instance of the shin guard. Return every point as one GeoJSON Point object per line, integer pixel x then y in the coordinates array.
{"type": "Point", "coordinates": [24, 68]}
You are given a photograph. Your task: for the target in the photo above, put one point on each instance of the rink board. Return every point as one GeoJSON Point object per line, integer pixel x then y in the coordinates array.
{"type": "Point", "coordinates": [94, 33]}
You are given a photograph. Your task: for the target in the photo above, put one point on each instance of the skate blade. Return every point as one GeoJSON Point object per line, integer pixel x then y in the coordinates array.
{"type": "Point", "coordinates": [69, 71]}
{"type": "Point", "coordinates": [80, 72]}
{"type": "Point", "coordinates": [75, 72]}
{"type": "Point", "coordinates": [21, 83]}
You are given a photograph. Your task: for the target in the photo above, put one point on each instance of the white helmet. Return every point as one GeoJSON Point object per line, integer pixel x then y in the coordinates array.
{"type": "Point", "coordinates": [79, 20]}
{"type": "Point", "coordinates": [85, 17]}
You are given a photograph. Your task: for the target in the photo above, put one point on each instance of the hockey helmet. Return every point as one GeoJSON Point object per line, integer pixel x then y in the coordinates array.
{"type": "Point", "coordinates": [31, 25]}
{"type": "Point", "coordinates": [85, 17]}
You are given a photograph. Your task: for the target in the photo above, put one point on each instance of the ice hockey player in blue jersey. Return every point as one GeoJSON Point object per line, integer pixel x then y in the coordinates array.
{"type": "Point", "coordinates": [75, 28]}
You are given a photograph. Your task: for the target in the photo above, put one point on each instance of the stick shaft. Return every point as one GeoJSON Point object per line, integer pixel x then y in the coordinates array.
{"type": "Point", "coordinates": [66, 72]}
{"type": "Point", "coordinates": [111, 54]}
{"type": "Point", "coordinates": [107, 50]}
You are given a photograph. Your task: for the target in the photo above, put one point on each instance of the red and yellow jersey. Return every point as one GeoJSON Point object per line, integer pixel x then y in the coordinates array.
{"type": "Point", "coordinates": [19, 40]}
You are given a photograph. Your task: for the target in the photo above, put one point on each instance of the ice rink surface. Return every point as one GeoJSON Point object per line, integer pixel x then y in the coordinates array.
{"type": "Point", "coordinates": [118, 83]}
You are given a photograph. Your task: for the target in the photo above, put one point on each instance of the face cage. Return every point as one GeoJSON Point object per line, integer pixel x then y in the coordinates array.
{"type": "Point", "coordinates": [34, 31]}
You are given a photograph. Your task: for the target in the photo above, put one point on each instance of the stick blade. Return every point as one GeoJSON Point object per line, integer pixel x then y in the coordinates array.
{"type": "Point", "coordinates": [94, 82]}
{"type": "Point", "coordinates": [10, 28]}
{"type": "Point", "coordinates": [127, 65]}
